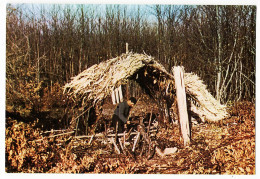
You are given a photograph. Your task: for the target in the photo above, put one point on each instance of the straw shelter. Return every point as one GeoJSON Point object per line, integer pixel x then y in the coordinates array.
{"type": "Point", "coordinates": [96, 83]}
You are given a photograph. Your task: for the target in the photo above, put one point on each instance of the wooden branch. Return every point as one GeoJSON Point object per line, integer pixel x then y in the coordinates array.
{"type": "Point", "coordinates": [91, 139]}
{"type": "Point", "coordinates": [116, 148]}
{"type": "Point", "coordinates": [111, 135]}
{"type": "Point", "coordinates": [126, 48]}
{"type": "Point", "coordinates": [141, 153]}
{"type": "Point", "coordinates": [87, 122]}
{"type": "Point", "coordinates": [113, 97]}
{"type": "Point", "coordinates": [81, 114]}
{"type": "Point", "coordinates": [121, 145]}
{"type": "Point", "coordinates": [124, 139]}
{"type": "Point", "coordinates": [54, 136]}
{"type": "Point", "coordinates": [77, 127]}
{"type": "Point", "coordinates": [117, 95]}
{"type": "Point", "coordinates": [71, 132]}
{"type": "Point", "coordinates": [136, 141]}
{"type": "Point", "coordinates": [150, 121]}
{"type": "Point", "coordinates": [53, 131]}
{"type": "Point", "coordinates": [116, 130]}
{"type": "Point", "coordinates": [121, 98]}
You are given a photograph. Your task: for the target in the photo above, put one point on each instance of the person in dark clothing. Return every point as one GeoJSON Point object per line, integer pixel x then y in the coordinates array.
{"type": "Point", "coordinates": [121, 113]}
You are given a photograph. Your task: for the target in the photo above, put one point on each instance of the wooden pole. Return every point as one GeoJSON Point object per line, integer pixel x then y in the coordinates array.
{"type": "Point", "coordinates": [126, 48]}
{"type": "Point", "coordinates": [77, 127]}
{"type": "Point", "coordinates": [116, 148]}
{"type": "Point", "coordinates": [117, 95]}
{"type": "Point", "coordinates": [182, 105]}
{"type": "Point", "coordinates": [87, 122]}
{"type": "Point", "coordinates": [113, 97]}
{"type": "Point", "coordinates": [136, 141]}
{"type": "Point", "coordinates": [121, 99]}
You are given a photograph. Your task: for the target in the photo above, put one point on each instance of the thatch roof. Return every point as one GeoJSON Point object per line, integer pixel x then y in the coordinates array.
{"type": "Point", "coordinates": [96, 83]}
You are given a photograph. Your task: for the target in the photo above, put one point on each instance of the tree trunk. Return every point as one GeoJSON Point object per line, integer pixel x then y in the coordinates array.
{"type": "Point", "coordinates": [219, 65]}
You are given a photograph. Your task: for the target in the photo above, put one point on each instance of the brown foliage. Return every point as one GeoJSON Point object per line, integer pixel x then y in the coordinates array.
{"type": "Point", "coordinates": [23, 154]}
{"type": "Point", "coordinates": [227, 148]}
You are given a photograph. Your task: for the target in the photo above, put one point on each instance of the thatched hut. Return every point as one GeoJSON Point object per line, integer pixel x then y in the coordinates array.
{"type": "Point", "coordinates": [96, 83]}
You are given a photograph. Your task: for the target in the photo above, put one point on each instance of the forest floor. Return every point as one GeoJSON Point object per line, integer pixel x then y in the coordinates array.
{"type": "Point", "coordinates": [226, 147]}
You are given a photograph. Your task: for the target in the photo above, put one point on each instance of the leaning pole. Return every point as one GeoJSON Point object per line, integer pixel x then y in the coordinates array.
{"type": "Point", "coordinates": [182, 104]}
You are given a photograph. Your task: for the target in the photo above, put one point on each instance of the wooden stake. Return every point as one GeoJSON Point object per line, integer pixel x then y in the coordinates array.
{"type": "Point", "coordinates": [113, 97]}
{"type": "Point", "coordinates": [116, 131]}
{"type": "Point", "coordinates": [182, 105]}
{"type": "Point", "coordinates": [124, 139]}
{"type": "Point", "coordinates": [126, 48]}
{"type": "Point", "coordinates": [116, 148]}
{"type": "Point", "coordinates": [91, 139]}
{"type": "Point", "coordinates": [117, 95]}
{"type": "Point", "coordinates": [77, 127]}
{"type": "Point", "coordinates": [150, 121]}
{"type": "Point", "coordinates": [136, 141]}
{"type": "Point", "coordinates": [121, 99]}
{"type": "Point", "coordinates": [121, 145]}
{"type": "Point", "coordinates": [87, 122]}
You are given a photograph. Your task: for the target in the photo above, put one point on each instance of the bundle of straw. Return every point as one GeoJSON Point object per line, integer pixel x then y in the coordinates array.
{"type": "Point", "coordinates": [205, 105]}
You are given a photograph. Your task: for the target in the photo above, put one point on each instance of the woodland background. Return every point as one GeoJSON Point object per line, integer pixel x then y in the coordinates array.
{"type": "Point", "coordinates": [46, 45]}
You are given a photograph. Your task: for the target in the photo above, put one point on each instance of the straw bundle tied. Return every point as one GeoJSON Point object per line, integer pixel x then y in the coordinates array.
{"type": "Point", "coordinates": [206, 106]}
{"type": "Point", "coordinates": [97, 82]}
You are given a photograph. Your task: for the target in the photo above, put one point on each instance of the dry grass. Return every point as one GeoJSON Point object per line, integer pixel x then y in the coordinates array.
{"type": "Point", "coordinates": [205, 105]}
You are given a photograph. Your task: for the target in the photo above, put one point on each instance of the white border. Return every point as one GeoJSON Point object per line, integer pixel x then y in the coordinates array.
{"type": "Point", "coordinates": [182, 2]}
{"type": "Point", "coordinates": [2, 80]}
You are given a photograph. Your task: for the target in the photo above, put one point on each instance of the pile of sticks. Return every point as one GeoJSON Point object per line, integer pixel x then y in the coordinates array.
{"type": "Point", "coordinates": [128, 142]}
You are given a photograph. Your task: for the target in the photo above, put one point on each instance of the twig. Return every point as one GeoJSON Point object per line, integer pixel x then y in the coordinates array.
{"type": "Point", "coordinates": [112, 135]}
{"type": "Point", "coordinates": [116, 130]}
{"type": "Point", "coordinates": [87, 122]}
{"type": "Point", "coordinates": [141, 153]}
{"type": "Point", "coordinates": [82, 113]}
{"type": "Point", "coordinates": [148, 130]}
{"type": "Point", "coordinates": [116, 148]}
{"type": "Point", "coordinates": [136, 141]}
{"type": "Point", "coordinates": [124, 139]}
{"type": "Point", "coordinates": [53, 131]}
{"type": "Point", "coordinates": [121, 145]}
{"type": "Point", "coordinates": [77, 127]}
{"type": "Point", "coordinates": [53, 136]}
{"type": "Point", "coordinates": [91, 139]}
{"type": "Point", "coordinates": [61, 134]}
{"type": "Point", "coordinates": [150, 121]}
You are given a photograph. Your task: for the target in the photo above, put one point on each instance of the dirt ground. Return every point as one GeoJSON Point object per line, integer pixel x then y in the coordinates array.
{"type": "Point", "coordinates": [226, 147]}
